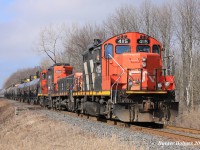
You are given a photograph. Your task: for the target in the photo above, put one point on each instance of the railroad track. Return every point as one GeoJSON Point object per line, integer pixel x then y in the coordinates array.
{"type": "Point", "coordinates": [182, 137]}
{"type": "Point", "coordinates": [171, 135]}
{"type": "Point", "coordinates": [181, 129]}
{"type": "Point", "coordinates": [168, 132]}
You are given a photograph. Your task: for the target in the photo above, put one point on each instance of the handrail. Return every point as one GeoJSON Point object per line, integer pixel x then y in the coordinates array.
{"type": "Point", "coordinates": [116, 80]}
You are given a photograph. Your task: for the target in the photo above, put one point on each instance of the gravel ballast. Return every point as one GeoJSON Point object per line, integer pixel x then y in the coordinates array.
{"type": "Point", "coordinates": [130, 137]}
{"type": "Point", "coordinates": [136, 139]}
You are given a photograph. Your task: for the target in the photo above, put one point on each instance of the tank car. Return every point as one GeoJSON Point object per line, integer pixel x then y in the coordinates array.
{"type": "Point", "coordinates": [26, 91]}
{"type": "Point", "coordinates": [11, 92]}
{"type": "Point", "coordinates": [34, 87]}
{"type": "Point", "coordinates": [2, 93]}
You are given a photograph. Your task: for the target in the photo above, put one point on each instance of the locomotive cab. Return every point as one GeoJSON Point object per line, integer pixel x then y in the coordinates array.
{"type": "Point", "coordinates": [134, 62]}
{"type": "Point", "coordinates": [55, 73]}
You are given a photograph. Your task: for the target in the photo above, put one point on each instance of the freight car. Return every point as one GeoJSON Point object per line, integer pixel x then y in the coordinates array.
{"type": "Point", "coordinates": [2, 93]}
{"type": "Point", "coordinates": [122, 79]}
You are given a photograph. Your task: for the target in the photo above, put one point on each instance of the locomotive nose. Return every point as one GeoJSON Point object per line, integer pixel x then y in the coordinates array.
{"type": "Point", "coordinates": [143, 70]}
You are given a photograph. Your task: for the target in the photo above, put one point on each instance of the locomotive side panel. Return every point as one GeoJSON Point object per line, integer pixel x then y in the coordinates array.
{"type": "Point", "coordinates": [92, 69]}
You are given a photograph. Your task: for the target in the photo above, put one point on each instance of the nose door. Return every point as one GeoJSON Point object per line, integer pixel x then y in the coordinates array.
{"type": "Point", "coordinates": [135, 79]}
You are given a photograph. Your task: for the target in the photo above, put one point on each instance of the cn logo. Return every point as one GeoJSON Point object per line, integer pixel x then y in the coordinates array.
{"type": "Point", "coordinates": [145, 74]}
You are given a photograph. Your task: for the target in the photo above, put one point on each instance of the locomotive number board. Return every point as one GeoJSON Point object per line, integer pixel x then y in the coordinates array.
{"type": "Point", "coordinates": [122, 41]}
{"type": "Point", "coordinates": [143, 41]}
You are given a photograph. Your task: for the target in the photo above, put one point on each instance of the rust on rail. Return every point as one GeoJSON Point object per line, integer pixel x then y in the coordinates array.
{"type": "Point", "coordinates": [181, 129]}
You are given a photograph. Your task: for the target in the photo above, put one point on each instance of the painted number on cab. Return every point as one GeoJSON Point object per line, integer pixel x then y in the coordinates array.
{"type": "Point", "coordinates": [122, 41]}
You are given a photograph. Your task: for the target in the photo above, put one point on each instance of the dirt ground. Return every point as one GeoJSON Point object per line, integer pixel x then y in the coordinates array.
{"type": "Point", "coordinates": [29, 131]}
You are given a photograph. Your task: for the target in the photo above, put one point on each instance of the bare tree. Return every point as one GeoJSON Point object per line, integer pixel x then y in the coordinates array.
{"type": "Point", "coordinates": [125, 19]}
{"type": "Point", "coordinates": [17, 76]}
{"type": "Point", "coordinates": [187, 12]}
{"type": "Point", "coordinates": [45, 63]}
{"type": "Point", "coordinates": [77, 41]}
{"type": "Point", "coordinates": [147, 17]}
{"type": "Point", "coordinates": [50, 42]}
{"type": "Point", "coordinates": [164, 24]}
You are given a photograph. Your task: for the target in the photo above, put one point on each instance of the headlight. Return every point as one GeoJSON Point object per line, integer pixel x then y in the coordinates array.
{"type": "Point", "coordinates": [130, 82]}
{"type": "Point", "coordinates": [159, 85]}
{"type": "Point", "coordinates": [144, 64]}
{"type": "Point", "coordinates": [144, 59]}
{"type": "Point", "coordinates": [167, 84]}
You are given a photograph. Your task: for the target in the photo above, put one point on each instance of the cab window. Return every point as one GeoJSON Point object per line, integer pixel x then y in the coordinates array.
{"type": "Point", "coordinates": [58, 71]}
{"type": "Point", "coordinates": [143, 48]}
{"type": "Point", "coordinates": [156, 49]}
{"type": "Point", "coordinates": [68, 71]}
{"type": "Point", "coordinates": [120, 49]}
{"type": "Point", "coordinates": [43, 76]}
{"type": "Point", "coordinates": [108, 51]}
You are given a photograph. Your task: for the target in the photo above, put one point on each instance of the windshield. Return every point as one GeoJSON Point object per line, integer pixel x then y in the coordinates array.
{"type": "Point", "coordinates": [143, 48]}
{"type": "Point", "coordinates": [122, 49]}
{"type": "Point", "coordinates": [156, 49]}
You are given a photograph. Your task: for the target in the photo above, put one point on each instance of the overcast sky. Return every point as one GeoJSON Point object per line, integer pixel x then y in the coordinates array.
{"type": "Point", "coordinates": [22, 20]}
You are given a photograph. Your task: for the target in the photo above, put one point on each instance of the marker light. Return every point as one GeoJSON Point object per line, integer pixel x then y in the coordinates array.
{"type": "Point", "coordinates": [144, 64]}
{"type": "Point", "coordinates": [159, 85]}
{"type": "Point", "coordinates": [144, 59]}
{"type": "Point", "coordinates": [167, 84]}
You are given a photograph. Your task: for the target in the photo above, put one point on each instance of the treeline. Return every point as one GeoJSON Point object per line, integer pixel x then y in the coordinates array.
{"type": "Point", "coordinates": [175, 24]}
{"type": "Point", "coordinates": [19, 75]}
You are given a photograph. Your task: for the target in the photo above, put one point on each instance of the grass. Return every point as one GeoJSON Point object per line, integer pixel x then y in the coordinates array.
{"type": "Point", "coordinates": [189, 119]}
{"type": "Point", "coordinates": [6, 111]}
{"type": "Point", "coordinates": [36, 132]}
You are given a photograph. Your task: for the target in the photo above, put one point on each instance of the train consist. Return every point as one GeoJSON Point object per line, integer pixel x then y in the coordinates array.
{"type": "Point", "coordinates": [122, 79]}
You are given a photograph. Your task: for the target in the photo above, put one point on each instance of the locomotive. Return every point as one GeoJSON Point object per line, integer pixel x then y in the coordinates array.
{"type": "Point", "coordinates": [122, 79]}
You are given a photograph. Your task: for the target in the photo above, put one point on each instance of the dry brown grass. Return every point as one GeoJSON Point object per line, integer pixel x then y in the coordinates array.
{"type": "Point", "coordinates": [189, 119]}
{"type": "Point", "coordinates": [6, 110]}
{"type": "Point", "coordinates": [29, 131]}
